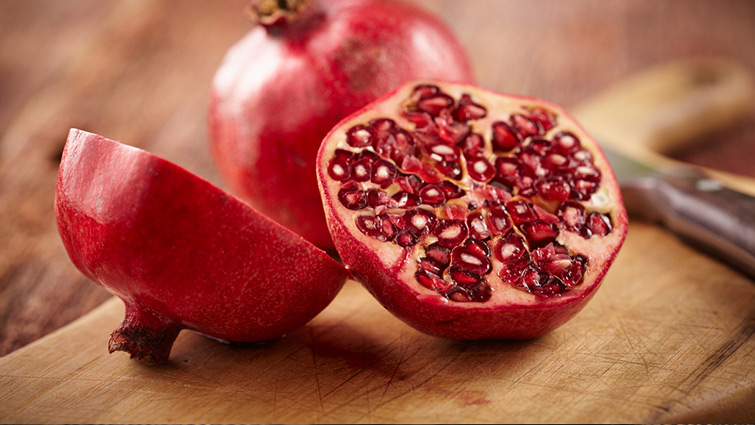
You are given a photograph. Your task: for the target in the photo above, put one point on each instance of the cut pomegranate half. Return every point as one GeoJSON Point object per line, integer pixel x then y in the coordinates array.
{"type": "Point", "coordinates": [534, 221]}
{"type": "Point", "coordinates": [181, 253]}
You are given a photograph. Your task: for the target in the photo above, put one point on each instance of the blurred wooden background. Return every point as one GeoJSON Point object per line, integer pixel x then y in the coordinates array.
{"type": "Point", "coordinates": [139, 71]}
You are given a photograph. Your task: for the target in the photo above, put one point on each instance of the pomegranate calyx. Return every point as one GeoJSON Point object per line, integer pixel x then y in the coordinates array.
{"type": "Point", "coordinates": [276, 14]}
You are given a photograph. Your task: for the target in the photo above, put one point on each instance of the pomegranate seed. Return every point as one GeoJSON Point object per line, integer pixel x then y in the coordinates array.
{"type": "Point", "coordinates": [525, 126]}
{"type": "Point", "coordinates": [539, 233]}
{"type": "Point", "coordinates": [587, 172]}
{"type": "Point", "coordinates": [598, 224]}
{"type": "Point", "coordinates": [531, 162]}
{"type": "Point", "coordinates": [432, 195]}
{"type": "Point", "coordinates": [376, 198]}
{"type": "Point", "coordinates": [479, 293]}
{"type": "Point", "coordinates": [480, 169]}
{"type": "Point", "coordinates": [504, 137]}
{"type": "Point", "coordinates": [470, 286]}
{"type": "Point", "coordinates": [511, 273]}
{"type": "Point", "coordinates": [383, 173]}
{"type": "Point", "coordinates": [533, 279]}
{"type": "Point", "coordinates": [450, 233]}
{"type": "Point", "coordinates": [360, 136]}
{"type": "Point", "coordinates": [582, 190]}
{"type": "Point", "coordinates": [440, 255]}
{"type": "Point", "coordinates": [511, 249]}
{"type": "Point", "coordinates": [572, 214]}
{"type": "Point", "coordinates": [550, 287]}
{"type": "Point", "coordinates": [410, 183]}
{"type": "Point", "coordinates": [456, 211]}
{"type": "Point", "coordinates": [556, 263]}
{"type": "Point", "coordinates": [421, 120]}
{"type": "Point", "coordinates": [386, 226]}
{"type": "Point", "coordinates": [382, 126]}
{"type": "Point", "coordinates": [576, 272]}
{"type": "Point", "coordinates": [450, 190]}
{"type": "Point", "coordinates": [411, 164]}
{"type": "Point", "coordinates": [467, 110]}
{"type": "Point", "coordinates": [555, 162]}
{"type": "Point", "coordinates": [420, 221]}
{"type": "Point", "coordinates": [582, 156]}
{"type": "Point", "coordinates": [498, 221]}
{"type": "Point", "coordinates": [472, 256]}
{"type": "Point", "coordinates": [450, 169]}
{"type": "Point", "coordinates": [463, 277]}
{"type": "Point", "coordinates": [435, 104]}
{"type": "Point", "coordinates": [406, 199]}
{"type": "Point", "coordinates": [361, 170]}
{"type": "Point", "coordinates": [369, 225]}
{"type": "Point", "coordinates": [423, 91]}
{"type": "Point", "coordinates": [352, 198]}
{"type": "Point", "coordinates": [540, 147]}
{"type": "Point", "coordinates": [554, 189]}
{"type": "Point", "coordinates": [404, 146]}
{"type": "Point", "coordinates": [478, 228]}
{"type": "Point", "coordinates": [450, 130]}
{"type": "Point", "coordinates": [472, 146]}
{"type": "Point", "coordinates": [443, 152]}
{"type": "Point", "coordinates": [521, 211]}
{"type": "Point", "coordinates": [339, 165]}
{"type": "Point", "coordinates": [506, 171]}
{"type": "Point", "coordinates": [428, 264]}
{"type": "Point", "coordinates": [565, 143]}
{"type": "Point", "coordinates": [432, 281]}
{"type": "Point", "coordinates": [544, 117]}
{"type": "Point", "coordinates": [397, 220]}
{"type": "Point", "coordinates": [430, 174]}
{"type": "Point", "coordinates": [405, 238]}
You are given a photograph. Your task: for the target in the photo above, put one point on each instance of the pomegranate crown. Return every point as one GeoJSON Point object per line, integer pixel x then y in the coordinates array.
{"type": "Point", "coordinates": [277, 13]}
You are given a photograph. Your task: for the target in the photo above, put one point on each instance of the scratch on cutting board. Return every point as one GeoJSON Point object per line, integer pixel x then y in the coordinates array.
{"type": "Point", "coordinates": [711, 363]}
{"type": "Point", "coordinates": [314, 365]}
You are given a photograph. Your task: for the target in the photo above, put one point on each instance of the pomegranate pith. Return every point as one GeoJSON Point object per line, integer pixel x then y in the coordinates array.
{"type": "Point", "coordinates": [509, 246]}
{"type": "Point", "coordinates": [181, 253]}
{"type": "Point", "coordinates": [307, 65]}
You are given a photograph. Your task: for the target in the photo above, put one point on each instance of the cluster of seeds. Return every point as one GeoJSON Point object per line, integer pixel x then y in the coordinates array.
{"type": "Point", "coordinates": [470, 197]}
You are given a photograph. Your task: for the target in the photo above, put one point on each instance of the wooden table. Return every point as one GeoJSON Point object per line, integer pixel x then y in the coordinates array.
{"type": "Point", "coordinates": [139, 71]}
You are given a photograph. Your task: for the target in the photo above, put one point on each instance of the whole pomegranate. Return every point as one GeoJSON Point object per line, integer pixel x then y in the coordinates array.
{"type": "Point", "coordinates": [181, 253]}
{"type": "Point", "coordinates": [471, 214]}
{"type": "Point", "coordinates": [306, 66]}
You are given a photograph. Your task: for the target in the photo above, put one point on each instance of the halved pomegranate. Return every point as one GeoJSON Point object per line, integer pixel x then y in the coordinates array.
{"type": "Point", "coordinates": [181, 253]}
{"type": "Point", "coordinates": [499, 218]}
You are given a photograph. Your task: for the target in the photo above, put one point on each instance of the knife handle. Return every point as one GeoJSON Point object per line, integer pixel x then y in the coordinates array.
{"type": "Point", "coordinates": [718, 220]}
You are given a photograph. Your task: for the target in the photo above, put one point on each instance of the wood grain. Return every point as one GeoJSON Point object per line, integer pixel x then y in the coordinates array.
{"type": "Point", "coordinates": [657, 344]}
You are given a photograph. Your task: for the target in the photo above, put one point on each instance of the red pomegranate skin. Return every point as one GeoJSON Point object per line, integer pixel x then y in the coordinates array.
{"type": "Point", "coordinates": [279, 91]}
{"type": "Point", "coordinates": [388, 275]}
{"type": "Point", "coordinates": [181, 253]}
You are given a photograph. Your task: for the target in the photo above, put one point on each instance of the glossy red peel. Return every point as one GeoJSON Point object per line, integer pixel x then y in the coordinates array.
{"type": "Point", "coordinates": [181, 253]}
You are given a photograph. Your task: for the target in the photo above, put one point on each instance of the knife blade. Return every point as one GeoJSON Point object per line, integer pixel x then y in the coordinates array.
{"type": "Point", "coordinates": [702, 211]}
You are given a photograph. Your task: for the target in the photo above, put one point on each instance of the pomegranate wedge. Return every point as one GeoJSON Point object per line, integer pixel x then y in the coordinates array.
{"type": "Point", "coordinates": [181, 253]}
{"type": "Point", "coordinates": [471, 214]}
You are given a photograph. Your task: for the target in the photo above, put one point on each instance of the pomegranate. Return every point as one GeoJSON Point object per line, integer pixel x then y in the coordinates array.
{"type": "Point", "coordinates": [292, 78]}
{"type": "Point", "coordinates": [471, 214]}
{"type": "Point", "coordinates": [181, 253]}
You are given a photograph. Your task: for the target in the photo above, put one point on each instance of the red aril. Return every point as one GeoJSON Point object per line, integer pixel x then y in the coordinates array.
{"type": "Point", "coordinates": [535, 220]}
{"type": "Point", "coordinates": [181, 253]}
{"type": "Point", "coordinates": [308, 64]}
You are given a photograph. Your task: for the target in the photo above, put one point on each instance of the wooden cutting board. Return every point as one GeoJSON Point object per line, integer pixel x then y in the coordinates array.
{"type": "Point", "coordinates": [667, 338]}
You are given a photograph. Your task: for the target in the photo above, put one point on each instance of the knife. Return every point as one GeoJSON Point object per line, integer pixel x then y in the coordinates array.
{"type": "Point", "coordinates": [660, 109]}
